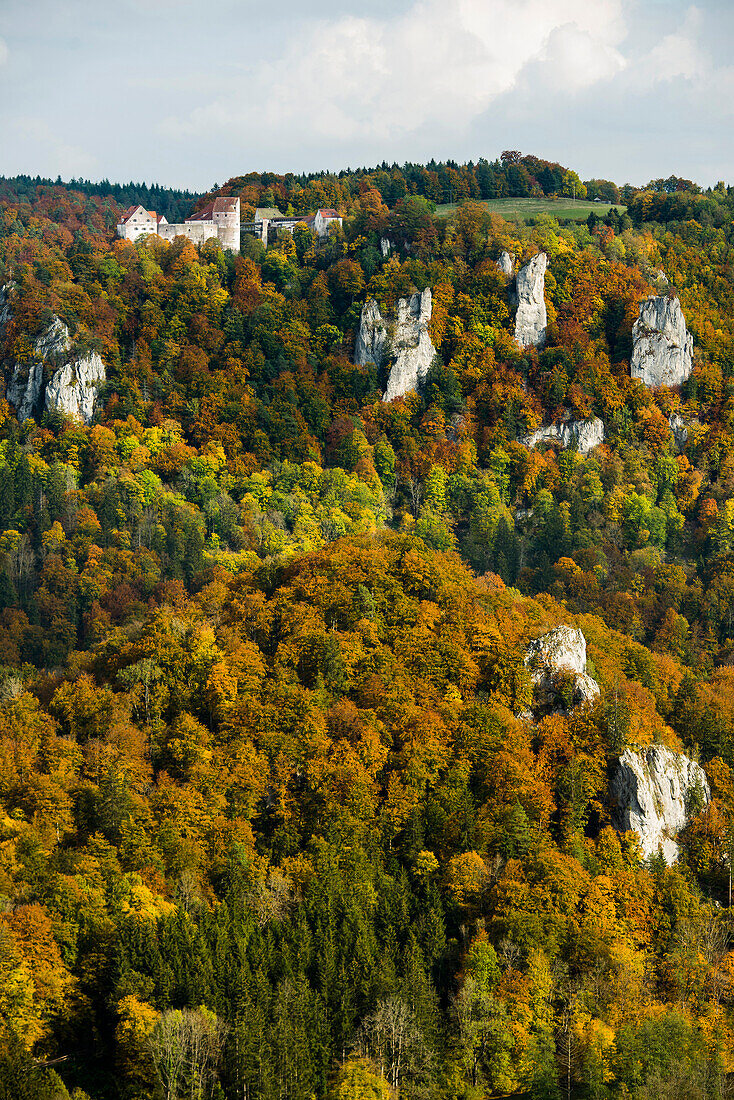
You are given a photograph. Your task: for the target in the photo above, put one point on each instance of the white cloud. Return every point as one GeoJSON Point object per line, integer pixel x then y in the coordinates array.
{"type": "Point", "coordinates": [3, 52]}
{"type": "Point", "coordinates": [721, 92]}
{"type": "Point", "coordinates": [573, 59]}
{"type": "Point", "coordinates": [619, 88]}
{"type": "Point", "coordinates": [678, 54]}
{"type": "Point", "coordinates": [439, 65]}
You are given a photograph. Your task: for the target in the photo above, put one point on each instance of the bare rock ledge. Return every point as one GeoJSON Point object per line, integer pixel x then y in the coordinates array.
{"type": "Point", "coordinates": [652, 790]}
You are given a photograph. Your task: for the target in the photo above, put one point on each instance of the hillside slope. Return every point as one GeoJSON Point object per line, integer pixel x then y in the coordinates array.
{"type": "Point", "coordinates": [275, 785]}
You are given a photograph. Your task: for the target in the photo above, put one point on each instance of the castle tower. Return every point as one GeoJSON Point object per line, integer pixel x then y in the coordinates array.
{"type": "Point", "coordinates": [226, 217]}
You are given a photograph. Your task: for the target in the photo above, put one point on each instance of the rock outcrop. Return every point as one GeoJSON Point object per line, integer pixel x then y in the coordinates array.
{"type": "Point", "coordinates": [373, 343]}
{"type": "Point", "coordinates": [5, 311]}
{"type": "Point", "coordinates": [585, 434]}
{"type": "Point", "coordinates": [412, 346]}
{"type": "Point", "coordinates": [506, 264]}
{"type": "Point", "coordinates": [680, 431]}
{"type": "Point", "coordinates": [72, 390]}
{"type": "Point", "coordinates": [532, 317]}
{"type": "Point", "coordinates": [404, 342]}
{"type": "Point", "coordinates": [653, 790]}
{"type": "Point", "coordinates": [557, 665]}
{"type": "Point", "coordinates": [54, 378]}
{"type": "Point", "coordinates": [662, 347]}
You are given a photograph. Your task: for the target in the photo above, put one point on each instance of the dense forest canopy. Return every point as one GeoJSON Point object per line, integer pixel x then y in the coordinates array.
{"type": "Point", "coordinates": [273, 820]}
{"type": "Point", "coordinates": [174, 204]}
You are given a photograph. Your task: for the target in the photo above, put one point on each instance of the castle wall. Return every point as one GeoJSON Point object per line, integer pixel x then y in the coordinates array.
{"type": "Point", "coordinates": [196, 232]}
{"type": "Point", "coordinates": [222, 226]}
{"type": "Point", "coordinates": [228, 234]}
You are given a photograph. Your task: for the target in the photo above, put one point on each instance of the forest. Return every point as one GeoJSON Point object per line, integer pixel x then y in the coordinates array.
{"type": "Point", "coordinates": [274, 824]}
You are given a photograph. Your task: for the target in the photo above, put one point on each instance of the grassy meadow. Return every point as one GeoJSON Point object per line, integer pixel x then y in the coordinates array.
{"type": "Point", "coordinates": [525, 210]}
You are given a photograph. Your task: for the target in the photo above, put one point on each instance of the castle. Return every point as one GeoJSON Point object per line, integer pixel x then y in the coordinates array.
{"type": "Point", "coordinates": [220, 220]}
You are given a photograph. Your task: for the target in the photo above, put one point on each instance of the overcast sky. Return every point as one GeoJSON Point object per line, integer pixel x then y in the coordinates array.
{"type": "Point", "coordinates": [186, 94]}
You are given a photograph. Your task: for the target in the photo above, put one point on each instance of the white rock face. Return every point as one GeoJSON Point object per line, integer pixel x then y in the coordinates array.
{"type": "Point", "coordinates": [506, 264]}
{"type": "Point", "coordinates": [562, 650]}
{"type": "Point", "coordinates": [585, 689]}
{"type": "Point", "coordinates": [651, 788]}
{"type": "Point", "coordinates": [586, 434]}
{"type": "Point", "coordinates": [53, 378]}
{"type": "Point", "coordinates": [662, 347]}
{"type": "Point", "coordinates": [72, 389]}
{"type": "Point", "coordinates": [373, 343]}
{"type": "Point", "coordinates": [531, 319]}
{"type": "Point", "coordinates": [405, 340]}
{"type": "Point", "coordinates": [412, 346]}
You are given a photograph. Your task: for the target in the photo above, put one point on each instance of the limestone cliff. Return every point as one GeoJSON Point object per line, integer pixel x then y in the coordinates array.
{"type": "Point", "coordinates": [585, 434]}
{"type": "Point", "coordinates": [72, 389]}
{"type": "Point", "coordinates": [55, 377]}
{"type": "Point", "coordinates": [652, 791]}
{"type": "Point", "coordinates": [506, 264]}
{"type": "Point", "coordinates": [373, 344]}
{"type": "Point", "coordinates": [404, 342]}
{"type": "Point", "coordinates": [532, 317]}
{"type": "Point", "coordinates": [557, 665]}
{"type": "Point", "coordinates": [662, 347]}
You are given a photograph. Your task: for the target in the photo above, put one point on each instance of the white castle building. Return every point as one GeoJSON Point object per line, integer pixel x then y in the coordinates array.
{"type": "Point", "coordinates": [220, 221]}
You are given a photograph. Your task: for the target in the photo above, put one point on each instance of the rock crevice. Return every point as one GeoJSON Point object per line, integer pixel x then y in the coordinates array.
{"type": "Point", "coordinates": [402, 341]}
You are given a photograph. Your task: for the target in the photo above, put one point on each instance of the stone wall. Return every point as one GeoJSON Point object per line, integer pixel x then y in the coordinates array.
{"type": "Point", "coordinates": [196, 232]}
{"type": "Point", "coordinates": [228, 229]}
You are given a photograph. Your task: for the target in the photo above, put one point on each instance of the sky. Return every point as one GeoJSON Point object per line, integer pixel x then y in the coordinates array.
{"type": "Point", "coordinates": [187, 94]}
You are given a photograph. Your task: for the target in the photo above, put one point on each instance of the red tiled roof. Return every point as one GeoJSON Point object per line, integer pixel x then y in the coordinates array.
{"type": "Point", "coordinates": [327, 212]}
{"type": "Point", "coordinates": [226, 204]}
{"type": "Point", "coordinates": [204, 215]}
